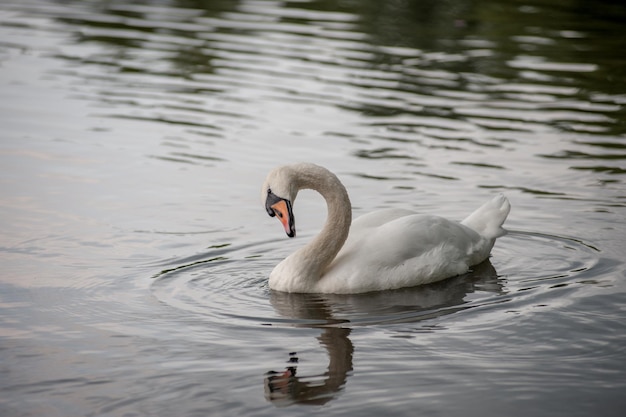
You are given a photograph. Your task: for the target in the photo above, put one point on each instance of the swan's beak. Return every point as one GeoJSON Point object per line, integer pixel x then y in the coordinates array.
{"type": "Point", "coordinates": [281, 208]}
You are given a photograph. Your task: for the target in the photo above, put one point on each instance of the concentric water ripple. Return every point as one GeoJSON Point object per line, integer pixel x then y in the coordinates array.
{"type": "Point", "coordinates": [528, 266]}
{"type": "Point", "coordinates": [123, 119]}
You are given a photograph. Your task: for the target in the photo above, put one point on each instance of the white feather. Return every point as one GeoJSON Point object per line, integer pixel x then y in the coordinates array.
{"type": "Point", "coordinates": [383, 250]}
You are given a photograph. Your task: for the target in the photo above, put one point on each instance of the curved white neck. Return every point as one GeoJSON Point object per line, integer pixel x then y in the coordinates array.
{"type": "Point", "coordinates": [314, 258]}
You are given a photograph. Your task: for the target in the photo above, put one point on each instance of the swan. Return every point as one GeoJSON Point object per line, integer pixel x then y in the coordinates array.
{"type": "Point", "coordinates": [383, 250]}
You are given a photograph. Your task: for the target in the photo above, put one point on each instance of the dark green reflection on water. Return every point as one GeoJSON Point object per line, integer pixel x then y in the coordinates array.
{"type": "Point", "coordinates": [566, 31]}
{"type": "Point", "coordinates": [514, 61]}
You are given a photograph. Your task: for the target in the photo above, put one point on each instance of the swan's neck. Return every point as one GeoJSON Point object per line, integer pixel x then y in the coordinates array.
{"type": "Point", "coordinates": [308, 264]}
{"type": "Point", "coordinates": [324, 247]}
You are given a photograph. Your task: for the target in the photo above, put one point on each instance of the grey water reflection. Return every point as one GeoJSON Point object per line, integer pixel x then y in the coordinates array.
{"type": "Point", "coordinates": [335, 316]}
{"type": "Point", "coordinates": [478, 77]}
{"type": "Point", "coordinates": [133, 138]}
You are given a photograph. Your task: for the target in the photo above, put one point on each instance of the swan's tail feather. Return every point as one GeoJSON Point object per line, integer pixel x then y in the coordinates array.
{"type": "Point", "coordinates": [487, 220]}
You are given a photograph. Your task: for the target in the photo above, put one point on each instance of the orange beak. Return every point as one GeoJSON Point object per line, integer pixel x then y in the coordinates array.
{"type": "Point", "coordinates": [282, 210]}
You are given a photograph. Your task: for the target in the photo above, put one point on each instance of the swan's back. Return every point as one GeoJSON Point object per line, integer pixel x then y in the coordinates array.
{"type": "Point", "coordinates": [412, 249]}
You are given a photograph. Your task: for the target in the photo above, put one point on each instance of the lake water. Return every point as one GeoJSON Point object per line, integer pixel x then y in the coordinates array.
{"type": "Point", "coordinates": [135, 250]}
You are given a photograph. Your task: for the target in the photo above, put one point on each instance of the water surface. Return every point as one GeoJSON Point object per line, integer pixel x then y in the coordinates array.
{"type": "Point", "coordinates": [135, 251]}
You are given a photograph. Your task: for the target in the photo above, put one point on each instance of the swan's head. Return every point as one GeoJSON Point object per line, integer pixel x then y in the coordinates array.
{"type": "Point", "coordinates": [278, 194]}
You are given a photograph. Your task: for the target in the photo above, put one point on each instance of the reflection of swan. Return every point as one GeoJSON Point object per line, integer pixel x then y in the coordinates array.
{"type": "Point", "coordinates": [383, 250]}
{"type": "Point", "coordinates": [330, 311]}
{"type": "Point", "coordinates": [286, 388]}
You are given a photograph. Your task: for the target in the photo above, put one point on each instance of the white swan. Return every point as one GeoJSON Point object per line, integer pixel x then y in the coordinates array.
{"type": "Point", "coordinates": [383, 250]}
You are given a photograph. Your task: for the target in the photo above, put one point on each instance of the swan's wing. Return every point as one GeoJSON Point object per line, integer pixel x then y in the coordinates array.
{"type": "Point", "coordinates": [409, 250]}
{"type": "Point", "coordinates": [378, 218]}
{"type": "Point", "coordinates": [365, 224]}
{"type": "Point", "coordinates": [414, 236]}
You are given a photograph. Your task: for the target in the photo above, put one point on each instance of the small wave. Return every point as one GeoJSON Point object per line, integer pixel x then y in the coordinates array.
{"type": "Point", "coordinates": [224, 286]}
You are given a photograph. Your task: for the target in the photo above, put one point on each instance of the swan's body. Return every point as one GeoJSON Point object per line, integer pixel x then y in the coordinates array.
{"type": "Point", "coordinates": [386, 249]}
